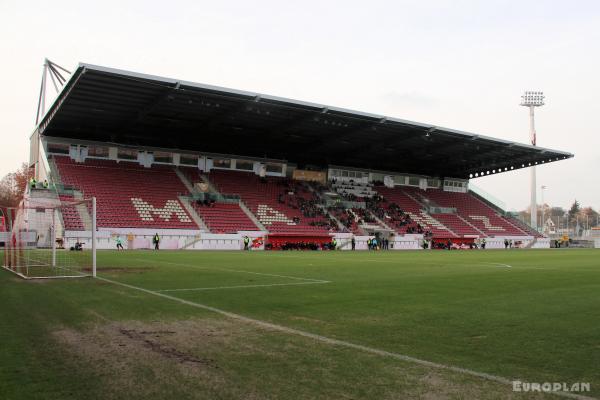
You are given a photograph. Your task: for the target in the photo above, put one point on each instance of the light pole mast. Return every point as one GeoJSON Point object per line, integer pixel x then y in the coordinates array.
{"type": "Point", "coordinates": [543, 187]}
{"type": "Point", "coordinates": [532, 100]}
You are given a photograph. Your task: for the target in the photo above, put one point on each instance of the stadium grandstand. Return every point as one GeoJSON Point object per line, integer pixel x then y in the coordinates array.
{"type": "Point", "coordinates": [204, 166]}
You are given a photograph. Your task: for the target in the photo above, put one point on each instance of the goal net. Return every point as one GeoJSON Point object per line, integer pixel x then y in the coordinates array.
{"type": "Point", "coordinates": [51, 238]}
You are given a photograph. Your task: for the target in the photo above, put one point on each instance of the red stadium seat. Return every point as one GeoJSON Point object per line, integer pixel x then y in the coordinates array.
{"type": "Point", "coordinates": [270, 201]}
{"type": "Point", "coordinates": [128, 195]}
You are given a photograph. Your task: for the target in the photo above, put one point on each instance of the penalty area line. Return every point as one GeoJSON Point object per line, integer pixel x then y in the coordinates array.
{"type": "Point", "coordinates": [239, 271]}
{"type": "Point", "coordinates": [243, 286]}
{"type": "Point", "coordinates": [493, 264]}
{"type": "Point", "coordinates": [336, 342]}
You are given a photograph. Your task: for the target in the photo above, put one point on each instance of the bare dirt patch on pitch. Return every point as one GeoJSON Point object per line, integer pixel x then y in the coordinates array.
{"type": "Point", "coordinates": [152, 359]}
{"type": "Point", "coordinates": [152, 341]}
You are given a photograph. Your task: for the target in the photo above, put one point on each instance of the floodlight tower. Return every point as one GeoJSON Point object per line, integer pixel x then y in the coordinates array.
{"type": "Point", "coordinates": [532, 100]}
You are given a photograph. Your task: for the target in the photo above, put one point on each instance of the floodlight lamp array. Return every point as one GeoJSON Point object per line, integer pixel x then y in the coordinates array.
{"type": "Point", "coordinates": [534, 99]}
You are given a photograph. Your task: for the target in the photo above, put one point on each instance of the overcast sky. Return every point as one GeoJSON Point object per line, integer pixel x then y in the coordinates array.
{"type": "Point", "coordinates": [457, 64]}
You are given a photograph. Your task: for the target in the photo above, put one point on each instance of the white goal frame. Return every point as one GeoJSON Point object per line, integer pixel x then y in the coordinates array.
{"type": "Point", "coordinates": [36, 228]}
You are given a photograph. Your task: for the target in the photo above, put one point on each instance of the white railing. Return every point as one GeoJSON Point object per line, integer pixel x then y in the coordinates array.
{"type": "Point", "coordinates": [488, 197]}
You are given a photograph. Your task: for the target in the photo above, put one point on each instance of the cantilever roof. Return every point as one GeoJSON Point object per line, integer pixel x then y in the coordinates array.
{"type": "Point", "coordinates": [111, 105]}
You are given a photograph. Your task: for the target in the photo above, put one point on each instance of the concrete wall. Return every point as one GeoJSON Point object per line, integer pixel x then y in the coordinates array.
{"type": "Point", "coordinates": [171, 239]}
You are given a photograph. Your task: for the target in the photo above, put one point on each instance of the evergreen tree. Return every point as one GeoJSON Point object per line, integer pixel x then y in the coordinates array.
{"type": "Point", "coordinates": [574, 210]}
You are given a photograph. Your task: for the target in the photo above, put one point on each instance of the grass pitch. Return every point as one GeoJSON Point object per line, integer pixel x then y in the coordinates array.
{"type": "Point", "coordinates": [154, 326]}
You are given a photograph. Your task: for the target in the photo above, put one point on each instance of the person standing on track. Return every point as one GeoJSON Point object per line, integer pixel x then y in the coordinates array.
{"type": "Point", "coordinates": [246, 243]}
{"type": "Point", "coordinates": [156, 241]}
{"type": "Point", "coordinates": [119, 243]}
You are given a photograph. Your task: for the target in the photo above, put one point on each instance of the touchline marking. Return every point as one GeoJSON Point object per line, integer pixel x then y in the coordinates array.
{"type": "Point", "coordinates": [336, 342]}
{"type": "Point", "coordinates": [237, 270]}
{"type": "Point", "coordinates": [244, 286]}
{"type": "Point", "coordinates": [498, 264]}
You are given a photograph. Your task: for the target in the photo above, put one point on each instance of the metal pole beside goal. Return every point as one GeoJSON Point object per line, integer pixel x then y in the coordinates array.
{"type": "Point", "coordinates": [53, 237]}
{"type": "Point", "coordinates": [94, 237]}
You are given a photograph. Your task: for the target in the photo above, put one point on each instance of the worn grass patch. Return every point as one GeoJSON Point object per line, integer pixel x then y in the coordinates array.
{"type": "Point", "coordinates": [220, 358]}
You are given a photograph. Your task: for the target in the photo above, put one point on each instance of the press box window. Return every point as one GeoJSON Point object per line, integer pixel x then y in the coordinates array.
{"type": "Point", "coordinates": [127, 154]}
{"type": "Point", "coordinates": [222, 163]}
{"type": "Point", "coordinates": [188, 160]}
{"type": "Point", "coordinates": [244, 165]}
{"type": "Point", "coordinates": [162, 157]}
{"type": "Point", "coordinates": [57, 148]}
{"type": "Point", "coordinates": [98, 151]}
{"type": "Point", "coordinates": [274, 168]}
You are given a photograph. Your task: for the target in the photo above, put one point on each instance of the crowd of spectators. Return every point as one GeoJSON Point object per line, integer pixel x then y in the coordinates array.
{"type": "Point", "coordinates": [205, 203]}
{"type": "Point", "coordinates": [351, 218]}
{"type": "Point", "coordinates": [346, 219]}
{"type": "Point", "coordinates": [394, 216]}
{"type": "Point", "coordinates": [295, 195]}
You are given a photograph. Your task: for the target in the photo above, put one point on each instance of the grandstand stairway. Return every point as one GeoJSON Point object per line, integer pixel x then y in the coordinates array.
{"type": "Point", "coordinates": [225, 218]}
{"type": "Point", "coordinates": [252, 217]}
{"type": "Point", "coordinates": [184, 180]}
{"type": "Point", "coordinates": [187, 204]}
{"type": "Point", "coordinates": [341, 226]}
{"type": "Point", "coordinates": [380, 222]}
{"type": "Point", "coordinates": [220, 217]}
{"type": "Point", "coordinates": [471, 225]}
{"type": "Point", "coordinates": [329, 212]}
{"type": "Point", "coordinates": [480, 215]}
{"type": "Point", "coordinates": [346, 219]}
{"type": "Point", "coordinates": [457, 225]}
{"type": "Point", "coordinates": [523, 226]}
{"type": "Point", "coordinates": [414, 209]}
{"type": "Point", "coordinates": [269, 199]}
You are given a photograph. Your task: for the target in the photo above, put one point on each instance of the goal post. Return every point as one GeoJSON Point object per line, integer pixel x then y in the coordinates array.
{"type": "Point", "coordinates": [51, 237]}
